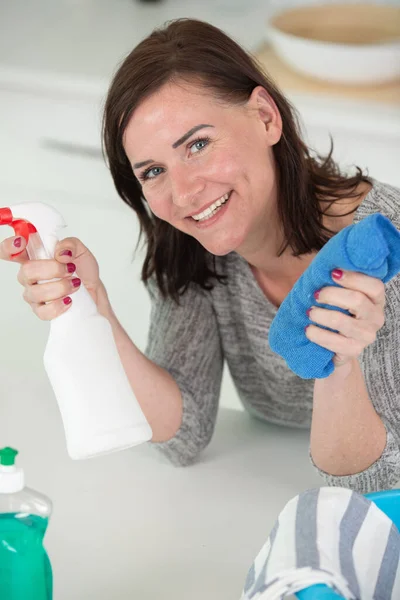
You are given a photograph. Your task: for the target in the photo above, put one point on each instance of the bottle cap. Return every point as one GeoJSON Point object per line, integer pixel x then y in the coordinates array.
{"type": "Point", "coordinates": [7, 456]}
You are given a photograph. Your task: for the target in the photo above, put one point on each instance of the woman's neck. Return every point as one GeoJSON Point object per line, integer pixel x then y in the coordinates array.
{"type": "Point", "coordinates": [262, 253]}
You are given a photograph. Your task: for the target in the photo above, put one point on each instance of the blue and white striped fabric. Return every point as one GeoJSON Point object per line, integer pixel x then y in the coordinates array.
{"type": "Point", "coordinates": [332, 536]}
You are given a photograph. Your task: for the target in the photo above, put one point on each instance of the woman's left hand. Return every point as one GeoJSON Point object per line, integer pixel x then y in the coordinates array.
{"type": "Point", "coordinates": [364, 298]}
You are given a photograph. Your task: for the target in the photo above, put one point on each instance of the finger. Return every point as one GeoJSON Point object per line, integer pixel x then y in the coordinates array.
{"type": "Point", "coordinates": [13, 249]}
{"type": "Point", "coordinates": [361, 331]}
{"type": "Point", "coordinates": [87, 268]}
{"type": "Point", "coordinates": [334, 341]}
{"type": "Point", "coordinates": [49, 292]}
{"type": "Point", "coordinates": [357, 303]}
{"type": "Point", "coordinates": [48, 312]}
{"type": "Point", "coordinates": [69, 249]}
{"type": "Point", "coordinates": [43, 270]}
{"type": "Point", "coordinates": [370, 286]}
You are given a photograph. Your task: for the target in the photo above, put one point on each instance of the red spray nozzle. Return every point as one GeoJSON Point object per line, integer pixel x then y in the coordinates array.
{"type": "Point", "coordinates": [6, 217]}
{"type": "Point", "coordinates": [21, 227]}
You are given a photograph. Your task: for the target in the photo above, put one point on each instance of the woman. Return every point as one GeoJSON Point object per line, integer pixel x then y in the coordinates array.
{"type": "Point", "coordinates": [233, 206]}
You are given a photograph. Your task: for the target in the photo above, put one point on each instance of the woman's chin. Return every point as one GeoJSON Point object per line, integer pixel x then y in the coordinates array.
{"type": "Point", "coordinates": [222, 247]}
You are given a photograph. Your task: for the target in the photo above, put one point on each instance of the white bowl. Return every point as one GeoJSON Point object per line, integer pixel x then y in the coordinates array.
{"type": "Point", "coordinates": [340, 43]}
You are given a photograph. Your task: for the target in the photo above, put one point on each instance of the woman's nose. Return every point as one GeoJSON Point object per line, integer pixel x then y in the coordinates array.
{"type": "Point", "coordinates": [186, 186]}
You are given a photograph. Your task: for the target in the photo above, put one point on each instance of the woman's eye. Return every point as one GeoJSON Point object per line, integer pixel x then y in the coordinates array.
{"type": "Point", "coordinates": [195, 147]}
{"type": "Point", "coordinates": [151, 173]}
{"type": "Point", "coordinates": [199, 145]}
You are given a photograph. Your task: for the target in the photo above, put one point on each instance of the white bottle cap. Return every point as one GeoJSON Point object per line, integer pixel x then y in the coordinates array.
{"type": "Point", "coordinates": [12, 479]}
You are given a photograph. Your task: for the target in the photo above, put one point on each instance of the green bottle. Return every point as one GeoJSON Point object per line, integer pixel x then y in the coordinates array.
{"type": "Point", "coordinates": [25, 570]}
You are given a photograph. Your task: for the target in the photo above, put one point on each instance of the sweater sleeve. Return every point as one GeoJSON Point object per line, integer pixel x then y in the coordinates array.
{"type": "Point", "coordinates": [380, 363]}
{"type": "Point", "coordinates": [184, 340]}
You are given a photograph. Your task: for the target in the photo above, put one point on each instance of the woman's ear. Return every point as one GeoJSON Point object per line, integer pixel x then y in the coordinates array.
{"type": "Point", "coordinates": [267, 112]}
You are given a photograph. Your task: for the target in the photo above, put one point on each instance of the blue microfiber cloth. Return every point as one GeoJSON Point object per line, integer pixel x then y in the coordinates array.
{"type": "Point", "coordinates": [372, 247]}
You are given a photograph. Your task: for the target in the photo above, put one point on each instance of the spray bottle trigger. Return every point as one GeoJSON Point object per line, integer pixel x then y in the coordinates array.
{"type": "Point", "coordinates": [21, 227]}
{"type": "Point", "coordinates": [24, 229]}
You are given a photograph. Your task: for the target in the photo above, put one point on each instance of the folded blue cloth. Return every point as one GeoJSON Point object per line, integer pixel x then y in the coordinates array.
{"type": "Point", "coordinates": [372, 247]}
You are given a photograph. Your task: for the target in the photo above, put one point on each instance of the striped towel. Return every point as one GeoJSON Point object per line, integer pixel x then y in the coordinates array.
{"type": "Point", "coordinates": [332, 536]}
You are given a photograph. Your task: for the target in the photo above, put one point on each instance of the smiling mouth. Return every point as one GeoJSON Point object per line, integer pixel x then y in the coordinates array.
{"type": "Point", "coordinates": [213, 209]}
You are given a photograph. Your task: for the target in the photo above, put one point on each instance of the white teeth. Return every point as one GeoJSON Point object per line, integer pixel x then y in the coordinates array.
{"type": "Point", "coordinates": [211, 210]}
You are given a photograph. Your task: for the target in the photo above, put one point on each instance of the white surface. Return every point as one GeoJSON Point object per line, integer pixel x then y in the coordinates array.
{"type": "Point", "coordinates": [85, 39]}
{"type": "Point", "coordinates": [56, 137]}
{"type": "Point", "coordinates": [363, 133]}
{"type": "Point", "coordinates": [130, 526]}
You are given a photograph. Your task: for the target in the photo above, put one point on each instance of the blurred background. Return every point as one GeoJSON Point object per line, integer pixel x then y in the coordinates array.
{"type": "Point", "coordinates": [56, 60]}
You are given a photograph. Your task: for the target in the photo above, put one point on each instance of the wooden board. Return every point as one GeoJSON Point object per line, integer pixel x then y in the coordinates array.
{"type": "Point", "coordinates": [289, 80]}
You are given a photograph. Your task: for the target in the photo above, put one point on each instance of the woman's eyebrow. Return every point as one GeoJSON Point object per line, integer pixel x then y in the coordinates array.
{"type": "Point", "coordinates": [188, 134]}
{"type": "Point", "coordinates": [142, 164]}
{"type": "Point", "coordinates": [176, 144]}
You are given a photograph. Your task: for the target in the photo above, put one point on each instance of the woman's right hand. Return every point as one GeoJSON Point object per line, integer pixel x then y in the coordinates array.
{"type": "Point", "coordinates": [74, 265]}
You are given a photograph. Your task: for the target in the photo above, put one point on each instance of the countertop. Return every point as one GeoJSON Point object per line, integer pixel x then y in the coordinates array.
{"type": "Point", "coordinates": [131, 526]}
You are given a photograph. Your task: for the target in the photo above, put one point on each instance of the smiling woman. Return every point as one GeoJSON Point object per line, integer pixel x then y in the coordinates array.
{"type": "Point", "coordinates": [195, 118]}
{"type": "Point", "coordinates": [234, 207]}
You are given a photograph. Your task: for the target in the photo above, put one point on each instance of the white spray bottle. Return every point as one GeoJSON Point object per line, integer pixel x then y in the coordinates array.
{"type": "Point", "coordinates": [99, 410]}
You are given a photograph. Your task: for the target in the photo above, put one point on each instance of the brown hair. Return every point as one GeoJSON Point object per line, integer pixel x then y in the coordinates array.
{"type": "Point", "coordinates": [191, 50]}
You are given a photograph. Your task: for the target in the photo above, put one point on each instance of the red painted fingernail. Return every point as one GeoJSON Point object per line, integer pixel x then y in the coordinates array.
{"type": "Point", "coordinates": [17, 242]}
{"type": "Point", "coordinates": [71, 267]}
{"type": "Point", "coordinates": [76, 282]}
{"type": "Point", "coordinates": [305, 328]}
{"type": "Point", "coordinates": [308, 312]}
{"type": "Point", "coordinates": [316, 294]}
{"type": "Point", "coordinates": [337, 273]}
{"type": "Point", "coordinates": [67, 300]}
{"type": "Point", "coordinates": [66, 253]}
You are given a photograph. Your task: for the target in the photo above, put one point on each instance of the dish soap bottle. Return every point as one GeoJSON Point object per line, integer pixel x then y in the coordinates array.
{"type": "Point", "coordinates": [25, 570]}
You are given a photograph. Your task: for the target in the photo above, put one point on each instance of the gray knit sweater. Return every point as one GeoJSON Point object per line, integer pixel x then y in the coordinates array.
{"type": "Point", "coordinates": [231, 323]}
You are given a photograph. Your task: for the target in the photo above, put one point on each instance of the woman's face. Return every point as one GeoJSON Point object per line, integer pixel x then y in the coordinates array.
{"type": "Point", "coordinates": [207, 168]}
